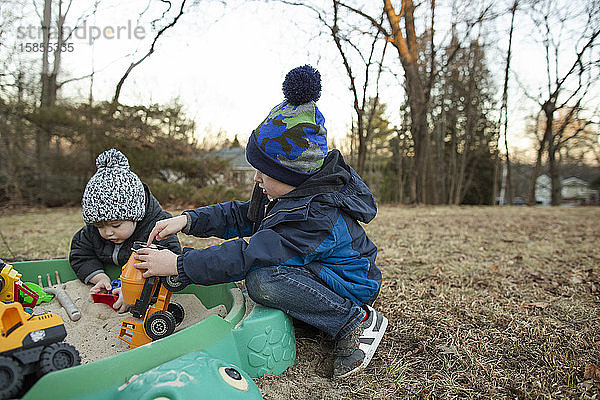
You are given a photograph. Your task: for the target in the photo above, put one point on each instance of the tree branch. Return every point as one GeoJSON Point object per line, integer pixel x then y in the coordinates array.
{"type": "Point", "coordinates": [367, 16]}
{"type": "Point", "coordinates": [150, 51]}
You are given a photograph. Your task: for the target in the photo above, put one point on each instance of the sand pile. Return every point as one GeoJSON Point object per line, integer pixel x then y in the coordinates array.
{"type": "Point", "coordinates": [95, 335]}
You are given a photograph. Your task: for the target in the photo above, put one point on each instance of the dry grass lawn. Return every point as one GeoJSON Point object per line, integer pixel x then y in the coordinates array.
{"type": "Point", "coordinates": [483, 303]}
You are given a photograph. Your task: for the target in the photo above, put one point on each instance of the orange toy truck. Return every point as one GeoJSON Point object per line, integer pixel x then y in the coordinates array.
{"type": "Point", "coordinates": [153, 315]}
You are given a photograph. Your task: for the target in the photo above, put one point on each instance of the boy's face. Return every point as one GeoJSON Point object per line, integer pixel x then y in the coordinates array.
{"type": "Point", "coordinates": [272, 187]}
{"type": "Point", "coordinates": [116, 231]}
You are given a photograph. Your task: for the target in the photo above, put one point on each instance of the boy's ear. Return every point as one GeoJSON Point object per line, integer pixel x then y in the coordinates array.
{"type": "Point", "coordinates": [255, 203]}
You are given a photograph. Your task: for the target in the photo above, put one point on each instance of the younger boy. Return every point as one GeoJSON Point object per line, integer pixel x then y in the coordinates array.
{"type": "Point", "coordinates": [118, 209]}
{"type": "Point", "coordinates": [307, 254]}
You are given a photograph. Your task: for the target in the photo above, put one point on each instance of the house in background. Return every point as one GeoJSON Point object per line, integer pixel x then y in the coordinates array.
{"type": "Point", "coordinates": [241, 170]}
{"type": "Point", "coordinates": [577, 191]}
{"type": "Point", "coordinates": [574, 191]}
{"type": "Point", "coordinates": [543, 190]}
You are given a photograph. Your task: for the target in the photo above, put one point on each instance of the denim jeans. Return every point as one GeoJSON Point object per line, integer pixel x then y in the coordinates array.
{"type": "Point", "coordinates": [304, 296]}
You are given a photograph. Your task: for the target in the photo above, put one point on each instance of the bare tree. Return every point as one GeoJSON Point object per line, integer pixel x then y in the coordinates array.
{"type": "Point", "coordinates": [507, 189]}
{"type": "Point", "coordinates": [49, 77]}
{"type": "Point", "coordinates": [364, 113]}
{"type": "Point", "coordinates": [463, 137]}
{"type": "Point", "coordinates": [565, 89]}
{"type": "Point", "coordinates": [48, 98]}
{"type": "Point", "coordinates": [362, 55]}
{"type": "Point", "coordinates": [582, 144]}
{"type": "Point", "coordinates": [159, 33]}
{"type": "Point", "coordinates": [420, 75]}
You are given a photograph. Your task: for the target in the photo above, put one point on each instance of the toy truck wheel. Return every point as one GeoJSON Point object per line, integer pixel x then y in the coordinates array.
{"type": "Point", "coordinates": [177, 310]}
{"type": "Point", "coordinates": [159, 325]}
{"type": "Point", "coordinates": [172, 283]}
{"type": "Point", "coordinates": [11, 378]}
{"type": "Point", "coordinates": [58, 356]}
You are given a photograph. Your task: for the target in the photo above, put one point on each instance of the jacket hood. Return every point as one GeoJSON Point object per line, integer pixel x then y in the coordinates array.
{"type": "Point", "coordinates": [151, 214]}
{"type": "Point", "coordinates": [338, 184]}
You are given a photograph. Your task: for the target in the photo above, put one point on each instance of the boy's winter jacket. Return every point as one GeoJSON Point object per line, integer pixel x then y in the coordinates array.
{"type": "Point", "coordinates": [314, 226]}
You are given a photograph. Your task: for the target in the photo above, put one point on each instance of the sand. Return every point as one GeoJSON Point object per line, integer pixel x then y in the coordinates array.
{"type": "Point", "coordinates": [95, 335]}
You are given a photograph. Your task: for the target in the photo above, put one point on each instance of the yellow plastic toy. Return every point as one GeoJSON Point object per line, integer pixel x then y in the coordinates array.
{"type": "Point", "coordinates": [11, 287]}
{"type": "Point", "coordinates": [30, 344]}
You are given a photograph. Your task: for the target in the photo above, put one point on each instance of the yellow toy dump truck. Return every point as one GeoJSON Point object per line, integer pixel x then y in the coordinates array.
{"type": "Point", "coordinates": [11, 287]}
{"type": "Point", "coordinates": [30, 344]}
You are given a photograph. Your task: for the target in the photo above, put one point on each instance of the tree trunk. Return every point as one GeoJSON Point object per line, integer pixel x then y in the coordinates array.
{"type": "Point", "coordinates": [548, 109]}
{"type": "Point", "coordinates": [362, 146]}
{"type": "Point", "coordinates": [504, 108]}
{"type": "Point", "coordinates": [42, 138]}
{"type": "Point", "coordinates": [495, 178]}
{"type": "Point", "coordinates": [418, 112]}
{"type": "Point", "coordinates": [554, 173]}
{"type": "Point", "coordinates": [45, 78]}
{"type": "Point", "coordinates": [417, 100]}
{"type": "Point", "coordinates": [452, 173]}
{"type": "Point", "coordinates": [400, 180]}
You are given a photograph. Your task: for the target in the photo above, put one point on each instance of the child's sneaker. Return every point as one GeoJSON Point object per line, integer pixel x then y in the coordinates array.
{"type": "Point", "coordinates": [355, 350]}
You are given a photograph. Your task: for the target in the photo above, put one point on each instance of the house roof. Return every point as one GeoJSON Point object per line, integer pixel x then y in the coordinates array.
{"type": "Point", "coordinates": [569, 180]}
{"type": "Point", "coordinates": [573, 180]}
{"type": "Point", "coordinates": [236, 156]}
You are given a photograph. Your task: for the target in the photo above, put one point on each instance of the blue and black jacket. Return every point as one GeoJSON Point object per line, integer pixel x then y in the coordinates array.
{"type": "Point", "coordinates": [314, 226]}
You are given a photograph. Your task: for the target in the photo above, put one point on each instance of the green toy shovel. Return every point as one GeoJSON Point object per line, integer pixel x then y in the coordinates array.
{"type": "Point", "coordinates": [43, 297]}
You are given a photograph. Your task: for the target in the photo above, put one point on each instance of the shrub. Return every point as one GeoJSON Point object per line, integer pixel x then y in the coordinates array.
{"type": "Point", "coordinates": [190, 195]}
{"type": "Point", "coordinates": [168, 193]}
{"type": "Point", "coordinates": [217, 194]}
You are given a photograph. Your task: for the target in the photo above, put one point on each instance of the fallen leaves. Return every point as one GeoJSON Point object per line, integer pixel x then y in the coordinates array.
{"type": "Point", "coordinates": [576, 279]}
{"type": "Point", "coordinates": [592, 372]}
{"type": "Point", "coordinates": [414, 351]}
{"type": "Point", "coordinates": [538, 304]}
{"type": "Point", "coordinates": [447, 349]}
{"type": "Point", "coordinates": [391, 284]}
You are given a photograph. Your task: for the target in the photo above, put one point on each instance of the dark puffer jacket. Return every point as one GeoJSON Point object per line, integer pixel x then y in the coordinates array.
{"type": "Point", "coordinates": [89, 252]}
{"type": "Point", "coordinates": [315, 226]}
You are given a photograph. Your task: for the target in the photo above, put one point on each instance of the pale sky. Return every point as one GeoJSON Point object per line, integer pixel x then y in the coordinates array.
{"type": "Point", "coordinates": [226, 65]}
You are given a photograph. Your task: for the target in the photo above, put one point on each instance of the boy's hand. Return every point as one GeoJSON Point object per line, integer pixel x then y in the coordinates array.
{"type": "Point", "coordinates": [167, 227]}
{"type": "Point", "coordinates": [120, 306]}
{"type": "Point", "coordinates": [156, 262]}
{"type": "Point", "coordinates": [101, 283]}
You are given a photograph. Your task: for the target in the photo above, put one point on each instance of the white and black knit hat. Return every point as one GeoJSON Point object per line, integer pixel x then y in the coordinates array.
{"type": "Point", "coordinates": [114, 192]}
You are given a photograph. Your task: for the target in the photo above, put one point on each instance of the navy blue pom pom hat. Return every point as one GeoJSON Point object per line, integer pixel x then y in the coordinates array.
{"type": "Point", "coordinates": [291, 143]}
{"type": "Point", "coordinates": [114, 193]}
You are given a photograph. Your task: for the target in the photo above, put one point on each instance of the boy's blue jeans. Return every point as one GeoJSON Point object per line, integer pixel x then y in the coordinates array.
{"type": "Point", "coordinates": [304, 296]}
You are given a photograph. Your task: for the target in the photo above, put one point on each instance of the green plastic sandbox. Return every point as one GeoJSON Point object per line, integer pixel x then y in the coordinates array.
{"type": "Point", "coordinates": [185, 364]}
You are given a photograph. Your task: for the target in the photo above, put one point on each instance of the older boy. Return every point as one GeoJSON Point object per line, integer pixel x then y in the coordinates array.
{"type": "Point", "coordinates": [307, 253]}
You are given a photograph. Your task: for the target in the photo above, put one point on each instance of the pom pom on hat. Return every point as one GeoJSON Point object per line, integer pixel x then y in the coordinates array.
{"type": "Point", "coordinates": [114, 193]}
{"type": "Point", "coordinates": [112, 158]}
{"type": "Point", "coordinates": [290, 145]}
{"type": "Point", "coordinates": [302, 85]}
